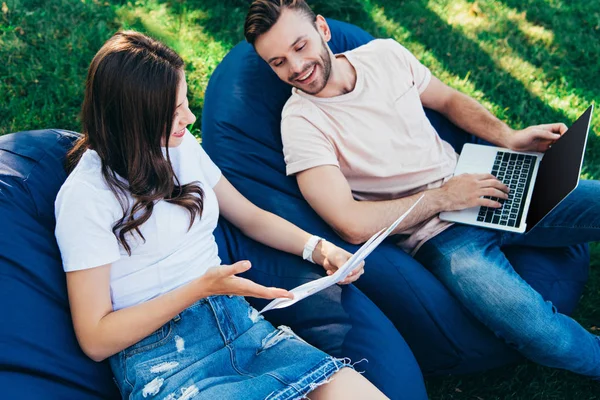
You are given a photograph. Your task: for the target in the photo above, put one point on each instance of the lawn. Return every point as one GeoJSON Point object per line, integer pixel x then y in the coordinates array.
{"type": "Point", "coordinates": [529, 62]}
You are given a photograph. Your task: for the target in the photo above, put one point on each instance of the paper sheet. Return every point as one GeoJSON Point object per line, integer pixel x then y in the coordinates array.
{"type": "Point", "coordinates": [353, 262]}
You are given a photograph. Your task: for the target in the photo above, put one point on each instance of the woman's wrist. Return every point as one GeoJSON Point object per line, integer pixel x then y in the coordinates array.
{"type": "Point", "coordinates": [312, 249]}
{"type": "Point", "coordinates": [319, 254]}
{"type": "Point", "coordinates": [201, 288]}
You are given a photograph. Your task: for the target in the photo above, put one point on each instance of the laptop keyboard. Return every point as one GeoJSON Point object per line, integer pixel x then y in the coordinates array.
{"type": "Point", "coordinates": [515, 171]}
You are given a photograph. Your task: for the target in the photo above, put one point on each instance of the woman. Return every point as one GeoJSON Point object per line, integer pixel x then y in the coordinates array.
{"type": "Point", "coordinates": [134, 225]}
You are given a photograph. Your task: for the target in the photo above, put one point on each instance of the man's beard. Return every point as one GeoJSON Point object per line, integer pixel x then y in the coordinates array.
{"type": "Point", "coordinates": [324, 64]}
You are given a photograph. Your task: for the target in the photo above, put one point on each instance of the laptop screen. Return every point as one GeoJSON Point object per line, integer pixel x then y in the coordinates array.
{"type": "Point", "coordinates": [559, 170]}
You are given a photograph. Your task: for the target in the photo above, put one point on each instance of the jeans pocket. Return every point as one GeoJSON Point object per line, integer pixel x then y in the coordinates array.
{"type": "Point", "coordinates": [152, 341]}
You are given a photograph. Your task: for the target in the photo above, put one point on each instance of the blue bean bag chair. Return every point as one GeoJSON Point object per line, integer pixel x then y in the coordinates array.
{"type": "Point", "coordinates": [241, 132]}
{"type": "Point", "coordinates": [39, 353]}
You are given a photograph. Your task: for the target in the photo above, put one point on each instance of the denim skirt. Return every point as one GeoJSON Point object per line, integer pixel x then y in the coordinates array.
{"type": "Point", "coordinates": [220, 348]}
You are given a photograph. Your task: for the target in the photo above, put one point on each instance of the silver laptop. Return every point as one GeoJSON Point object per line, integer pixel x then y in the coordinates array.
{"type": "Point", "coordinates": [538, 182]}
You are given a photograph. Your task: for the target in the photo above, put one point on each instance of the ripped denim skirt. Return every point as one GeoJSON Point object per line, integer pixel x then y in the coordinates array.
{"type": "Point", "coordinates": [220, 348]}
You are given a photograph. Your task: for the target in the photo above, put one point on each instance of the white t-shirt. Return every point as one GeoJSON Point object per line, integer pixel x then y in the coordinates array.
{"type": "Point", "coordinates": [378, 134]}
{"type": "Point", "coordinates": [86, 210]}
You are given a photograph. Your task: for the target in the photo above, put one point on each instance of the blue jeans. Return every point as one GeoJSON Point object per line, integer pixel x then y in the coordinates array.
{"type": "Point", "coordinates": [470, 262]}
{"type": "Point", "coordinates": [220, 348]}
{"type": "Point", "coordinates": [344, 323]}
{"type": "Point", "coordinates": [340, 320]}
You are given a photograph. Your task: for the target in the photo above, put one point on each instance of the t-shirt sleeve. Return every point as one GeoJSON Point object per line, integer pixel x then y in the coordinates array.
{"type": "Point", "coordinates": [84, 220]}
{"type": "Point", "coordinates": [195, 153]}
{"type": "Point", "coordinates": [304, 145]}
{"type": "Point", "coordinates": [421, 74]}
{"type": "Point", "coordinates": [210, 169]}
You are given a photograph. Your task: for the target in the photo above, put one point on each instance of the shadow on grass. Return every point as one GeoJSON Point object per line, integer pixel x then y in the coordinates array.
{"type": "Point", "coordinates": [576, 39]}
{"type": "Point", "coordinates": [499, 86]}
{"type": "Point", "coordinates": [195, 28]}
{"type": "Point", "coordinates": [46, 48]}
{"type": "Point", "coordinates": [224, 19]}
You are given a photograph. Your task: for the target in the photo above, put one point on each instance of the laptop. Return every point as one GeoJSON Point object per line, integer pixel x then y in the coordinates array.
{"type": "Point", "coordinates": [538, 182]}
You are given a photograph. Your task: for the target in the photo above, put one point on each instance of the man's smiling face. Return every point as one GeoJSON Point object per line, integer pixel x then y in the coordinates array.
{"type": "Point", "coordinates": [295, 49]}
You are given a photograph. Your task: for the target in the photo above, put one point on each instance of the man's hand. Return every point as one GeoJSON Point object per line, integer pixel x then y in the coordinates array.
{"type": "Point", "coordinates": [467, 190]}
{"type": "Point", "coordinates": [536, 138]}
{"type": "Point", "coordinates": [332, 258]}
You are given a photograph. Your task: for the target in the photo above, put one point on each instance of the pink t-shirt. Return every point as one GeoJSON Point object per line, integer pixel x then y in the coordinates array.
{"type": "Point", "coordinates": [377, 134]}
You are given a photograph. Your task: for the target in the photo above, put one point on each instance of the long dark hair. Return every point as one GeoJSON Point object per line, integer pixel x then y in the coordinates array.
{"type": "Point", "coordinates": [128, 110]}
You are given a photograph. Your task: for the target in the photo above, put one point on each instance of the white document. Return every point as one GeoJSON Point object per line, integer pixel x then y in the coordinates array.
{"type": "Point", "coordinates": [353, 262]}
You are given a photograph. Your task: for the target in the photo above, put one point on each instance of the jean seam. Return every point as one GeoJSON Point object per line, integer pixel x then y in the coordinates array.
{"type": "Point", "coordinates": [197, 304]}
{"type": "Point", "coordinates": [218, 323]}
{"type": "Point", "coordinates": [570, 226]}
{"type": "Point", "coordinates": [124, 369]}
{"type": "Point", "coordinates": [152, 345]}
{"type": "Point", "coordinates": [234, 363]}
{"type": "Point", "coordinates": [232, 326]}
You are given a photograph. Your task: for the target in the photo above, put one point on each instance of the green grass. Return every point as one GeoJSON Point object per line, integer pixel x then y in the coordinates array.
{"type": "Point", "coordinates": [529, 62]}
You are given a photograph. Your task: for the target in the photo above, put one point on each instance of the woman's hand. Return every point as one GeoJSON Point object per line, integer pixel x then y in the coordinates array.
{"type": "Point", "coordinates": [222, 280]}
{"type": "Point", "coordinates": [332, 258]}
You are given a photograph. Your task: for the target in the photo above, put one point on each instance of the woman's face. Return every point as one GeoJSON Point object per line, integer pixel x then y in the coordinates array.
{"type": "Point", "coordinates": [183, 116]}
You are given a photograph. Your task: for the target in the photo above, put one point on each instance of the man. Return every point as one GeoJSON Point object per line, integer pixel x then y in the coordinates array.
{"type": "Point", "coordinates": [357, 139]}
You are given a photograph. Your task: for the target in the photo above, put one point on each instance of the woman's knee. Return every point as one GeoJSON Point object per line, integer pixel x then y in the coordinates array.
{"type": "Point", "coordinates": [345, 384]}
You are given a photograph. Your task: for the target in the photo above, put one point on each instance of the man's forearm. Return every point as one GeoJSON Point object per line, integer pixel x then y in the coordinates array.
{"type": "Point", "coordinates": [474, 118]}
{"type": "Point", "coordinates": [368, 217]}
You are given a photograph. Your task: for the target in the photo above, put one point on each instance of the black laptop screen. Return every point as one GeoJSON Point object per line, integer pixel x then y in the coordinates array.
{"type": "Point", "coordinates": [559, 170]}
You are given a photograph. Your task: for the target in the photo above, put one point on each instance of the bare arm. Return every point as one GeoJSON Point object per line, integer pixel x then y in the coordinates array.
{"type": "Point", "coordinates": [276, 232]}
{"type": "Point", "coordinates": [102, 332]}
{"type": "Point", "coordinates": [474, 118]}
{"type": "Point", "coordinates": [260, 225]}
{"type": "Point", "coordinates": [465, 112]}
{"type": "Point", "coordinates": [328, 192]}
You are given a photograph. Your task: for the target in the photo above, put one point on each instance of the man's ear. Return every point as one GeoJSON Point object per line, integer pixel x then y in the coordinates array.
{"type": "Point", "coordinates": [323, 28]}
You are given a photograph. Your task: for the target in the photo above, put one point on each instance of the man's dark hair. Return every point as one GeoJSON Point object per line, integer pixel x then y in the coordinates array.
{"type": "Point", "coordinates": [263, 14]}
